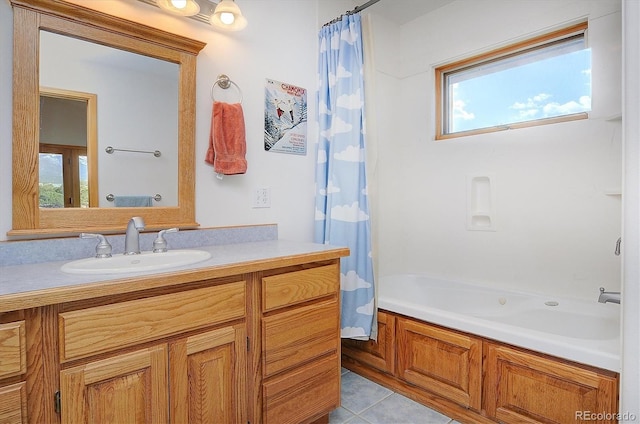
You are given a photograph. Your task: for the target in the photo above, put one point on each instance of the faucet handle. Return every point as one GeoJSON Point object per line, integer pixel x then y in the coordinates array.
{"type": "Point", "coordinates": [103, 248]}
{"type": "Point", "coordinates": [160, 243]}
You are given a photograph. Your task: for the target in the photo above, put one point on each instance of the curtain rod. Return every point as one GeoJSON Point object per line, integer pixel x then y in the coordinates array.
{"type": "Point", "coordinates": [351, 12]}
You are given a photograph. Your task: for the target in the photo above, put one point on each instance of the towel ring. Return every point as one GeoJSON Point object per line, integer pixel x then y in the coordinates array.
{"type": "Point", "coordinates": [224, 82]}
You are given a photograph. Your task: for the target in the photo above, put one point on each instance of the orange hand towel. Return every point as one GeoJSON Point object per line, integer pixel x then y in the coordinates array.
{"type": "Point", "coordinates": [227, 142]}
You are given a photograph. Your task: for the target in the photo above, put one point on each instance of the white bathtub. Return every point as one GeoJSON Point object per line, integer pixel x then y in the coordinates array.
{"type": "Point", "coordinates": [581, 331]}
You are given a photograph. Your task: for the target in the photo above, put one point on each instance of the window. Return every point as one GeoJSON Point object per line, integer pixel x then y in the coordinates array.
{"type": "Point", "coordinates": [543, 80]}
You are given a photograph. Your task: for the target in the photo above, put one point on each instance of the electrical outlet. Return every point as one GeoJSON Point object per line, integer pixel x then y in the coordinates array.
{"type": "Point", "coordinates": [261, 197]}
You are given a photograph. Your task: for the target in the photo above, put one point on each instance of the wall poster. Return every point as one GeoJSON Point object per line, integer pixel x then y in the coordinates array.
{"type": "Point", "coordinates": [285, 118]}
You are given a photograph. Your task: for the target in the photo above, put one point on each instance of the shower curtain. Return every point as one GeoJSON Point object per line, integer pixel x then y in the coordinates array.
{"type": "Point", "coordinates": [342, 206]}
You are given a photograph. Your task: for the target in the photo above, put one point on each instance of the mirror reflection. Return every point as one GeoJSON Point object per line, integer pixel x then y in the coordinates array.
{"type": "Point", "coordinates": [136, 104]}
{"type": "Point", "coordinates": [67, 137]}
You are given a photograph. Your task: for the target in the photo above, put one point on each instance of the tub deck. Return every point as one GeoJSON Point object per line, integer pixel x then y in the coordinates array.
{"type": "Point", "coordinates": [576, 330]}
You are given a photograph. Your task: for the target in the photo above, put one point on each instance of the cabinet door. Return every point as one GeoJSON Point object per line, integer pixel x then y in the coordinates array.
{"type": "Point", "coordinates": [525, 388]}
{"type": "Point", "coordinates": [13, 404]}
{"type": "Point", "coordinates": [128, 388]}
{"type": "Point", "coordinates": [442, 361]}
{"type": "Point", "coordinates": [379, 354]}
{"type": "Point", "coordinates": [208, 377]}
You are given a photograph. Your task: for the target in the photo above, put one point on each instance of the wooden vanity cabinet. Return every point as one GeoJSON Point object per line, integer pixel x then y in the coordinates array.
{"type": "Point", "coordinates": [252, 343]}
{"type": "Point", "coordinates": [197, 378]}
{"type": "Point", "coordinates": [300, 344]}
{"type": "Point", "coordinates": [13, 367]}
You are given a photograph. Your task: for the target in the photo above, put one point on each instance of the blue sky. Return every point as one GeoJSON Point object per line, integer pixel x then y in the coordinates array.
{"type": "Point", "coordinates": [555, 86]}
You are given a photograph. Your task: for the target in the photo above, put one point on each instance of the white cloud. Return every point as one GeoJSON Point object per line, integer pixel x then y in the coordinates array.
{"type": "Point", "coordinates": [459, 107]}
{"type": "Point", "coordinates": [349, 36]}
{"type": "Point", "coordinates": [322, 156]}
{"type": "Point", "coordinates": [338, 126]}
{"type": "Point", "coordinates": [348, 213]}
{"type": "Point", "coordinates": [319, 215]}
{"type": "Point", "coordinates": [350, 154]}
{"type": "Point", "coordinates": [366, 309]}
{"type": "Point", "coordinates": [332, 79]}
{"type": "Point", "coordinates": [323, 109]}
{"type": "Point", "coordinates": [532, 102]}
{"type": "Point", "coordinates": [351, 281]}
{"type": "Point", "coordinates": [555, 109]}
{"type": "Point", "coordinates": [541, 97]}
{"type": "Point", "coordinates": [365, 191]}
{"type": "Point", "coordinates": [459, 111]}
{"type": "Point", "coordinates": [539, 106]}
{"type": "Point", "coordinates": [342, 72]}
{"type": "Point", "coordinates": [528, 113]}
{"type": "Point", "coordinates": [350, 332]}
{"type": "Point", "coordinates": [335, 41]}
{"type": "Point", "coordinates": [331, 188]}
{"type": "Point", "coordinates": [352, 101]}
{"type": "Point", "coordinates": [323, 44]}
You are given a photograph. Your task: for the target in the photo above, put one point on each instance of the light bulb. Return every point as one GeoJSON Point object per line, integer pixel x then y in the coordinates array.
{"type": "Point", "coordinates": [179, 4]}
{"type": "Point", "coordinates": [227, 18]}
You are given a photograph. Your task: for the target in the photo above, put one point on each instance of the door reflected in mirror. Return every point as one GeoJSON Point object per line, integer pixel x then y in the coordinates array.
{"type": "Point", "coordinates": [67, 152]}
{"type": "Point", "coordinates": [136, 110]}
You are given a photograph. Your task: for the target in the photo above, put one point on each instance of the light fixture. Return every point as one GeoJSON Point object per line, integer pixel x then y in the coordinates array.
{"type": "Point", "coordinates": [228, 16]}
{"type": "Point", "coordinates": [179, 7]}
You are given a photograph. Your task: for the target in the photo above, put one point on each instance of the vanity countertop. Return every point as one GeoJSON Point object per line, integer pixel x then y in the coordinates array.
{"type": "Point", "coordinates": [33, 285]}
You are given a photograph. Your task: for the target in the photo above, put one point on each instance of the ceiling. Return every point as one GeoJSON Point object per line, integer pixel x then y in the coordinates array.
{"type": "Point", "coordinates": [403, 11]}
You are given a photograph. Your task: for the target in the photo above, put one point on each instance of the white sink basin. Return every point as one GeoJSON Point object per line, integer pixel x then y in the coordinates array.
{"type": "Point", "coordinates": [145, 261]}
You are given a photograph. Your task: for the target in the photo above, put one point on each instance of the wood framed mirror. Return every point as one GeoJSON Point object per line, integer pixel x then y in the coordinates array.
{"type": "Point", "coordinates": [31, 17]}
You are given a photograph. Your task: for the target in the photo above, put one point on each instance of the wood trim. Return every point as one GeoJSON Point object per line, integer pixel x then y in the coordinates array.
{"type": "Point", "coordinates": [515, 48]}
{"type": "Point", "coordinates": [95, 18]}
{"type": "Point", "coordinates": [30, 16]}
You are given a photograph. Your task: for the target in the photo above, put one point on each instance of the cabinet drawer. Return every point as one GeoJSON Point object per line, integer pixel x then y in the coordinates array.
{"type": "Point", "coordinates": [293, 337]}
{"type": "Point", "coordinates": [103, 328]}
{"type": "Point", "coordinates": [13, 350]}
{"type": "Point", "coordinates": [299, 286]}
{"type": "Point", "coordinates": [308, 392]}
{"type": "Point", "coordinates": [13, 404]}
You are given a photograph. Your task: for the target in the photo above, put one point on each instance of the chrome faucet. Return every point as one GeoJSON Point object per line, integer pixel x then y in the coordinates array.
{"type": "Point", "coordinates": [160, 243]}
{"type": "Point", "coordinates": [103, 249]}
{"type": "Point", "coordinates": [132, 238]}
{"type": "Point", "coordinates": [613, 297]}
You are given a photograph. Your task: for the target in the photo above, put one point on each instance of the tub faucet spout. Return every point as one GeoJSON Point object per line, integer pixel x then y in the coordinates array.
{"type": "Point", "coordinates": [605, 296]}
{"type": "Point", "coordinates": [132, 238]}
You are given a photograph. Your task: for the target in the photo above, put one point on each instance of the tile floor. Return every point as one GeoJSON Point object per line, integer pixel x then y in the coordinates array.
{"type": "Point", "coordinates": [366, 402]}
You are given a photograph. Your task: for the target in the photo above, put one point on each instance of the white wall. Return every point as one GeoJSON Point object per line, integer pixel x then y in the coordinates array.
{"type": "Point", "coordinates": [556, 227]}
{"type": "Point", "coordinates": [630, 379]}
{"type": "Point", "coordinates": [279, 43]}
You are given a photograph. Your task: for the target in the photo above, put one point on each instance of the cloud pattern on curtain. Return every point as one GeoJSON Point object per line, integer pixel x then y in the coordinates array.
{"type": "Point", "coordinates": [342, 207]}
